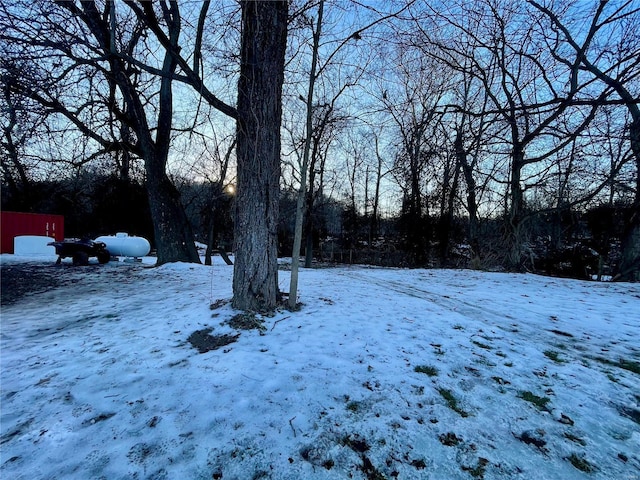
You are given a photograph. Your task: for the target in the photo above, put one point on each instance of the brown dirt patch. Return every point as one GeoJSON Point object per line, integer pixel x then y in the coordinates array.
{"type": "Point", "coordinates": [204, 342]}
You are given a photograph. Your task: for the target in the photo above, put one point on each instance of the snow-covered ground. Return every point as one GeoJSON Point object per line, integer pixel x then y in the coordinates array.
{"type": "Point", "coordinates": [383, 373]}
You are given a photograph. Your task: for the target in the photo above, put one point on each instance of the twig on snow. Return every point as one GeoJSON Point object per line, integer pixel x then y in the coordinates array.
{"type": "Point", "coordinates": [291, 423]}
{"type": "Point", "coordinates": [274, 323]}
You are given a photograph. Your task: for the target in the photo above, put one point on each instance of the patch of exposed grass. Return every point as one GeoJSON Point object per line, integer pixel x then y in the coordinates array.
{"type": "Point", "coordinates": [631, 413]}
{"type": "Point", "coordinates": [355, 443]}
{"type": "Point", "coordinates": [575, 439]}
{"type": "Point", "coordinates": [437, 349]}
{"type": "Point", "coordinates": [98, 418]}
{"type": "Point", "coordinates": [354, 406]}
{"type": "Point", "coordinates": [478, 470]}
{"type": "Point", "coordinates": [458, 327]}
{"type": "Point", "coordinates": [449, 439]}
{"type": "Point", "coordinates": [427, 370]}
{"type": "Point", "coordinates": [452, 402]}
{"type": "Point", "coordinates": [482, 345]}
{"type": "Point", "coordinates": [581, 463]}
{"type": "Point", "coordinates": [561, 333]}
{"type": "Point", "coordinates": [612, 378]}
{"type": "Point", "coordinates": [539, 402]}
{"type": "Point", "coordinates": [533, 438]}
{"type": "Point", "coordinates": [328, 464]}
{"type": "Point", "coordinates": [622, 363]}
{"type": "Point", "coordinates": [485, 361]}
{"type": "Point", "coordinates": [500, 381]}
{"type": "Point", "coordinates": [370, 471]}
{"type": "Point", "coordinates": [553, 355]}
{"type": "Point", "coordinates": [474, 371]}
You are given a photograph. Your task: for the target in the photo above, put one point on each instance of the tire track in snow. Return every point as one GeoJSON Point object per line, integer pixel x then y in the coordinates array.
{"type": "Point", "coordinates": [457, 305]}
{"type": "Point", "coordinates": [508, 323]}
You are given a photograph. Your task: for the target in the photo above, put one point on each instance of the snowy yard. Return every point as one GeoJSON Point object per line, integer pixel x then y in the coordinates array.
{"type": "Point", "coordinates": [383, 374]}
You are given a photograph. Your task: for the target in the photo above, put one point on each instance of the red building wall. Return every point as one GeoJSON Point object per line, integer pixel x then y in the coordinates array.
{"type": "Point", "coordinates": [13, 224]}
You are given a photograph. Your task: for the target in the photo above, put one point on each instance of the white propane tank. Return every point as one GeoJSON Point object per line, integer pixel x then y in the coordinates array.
{"type": "Point", "coordinates": [122, 245]}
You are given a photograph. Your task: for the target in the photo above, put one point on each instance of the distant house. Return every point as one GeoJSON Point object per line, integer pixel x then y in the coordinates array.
{"type": "Point", "coordinates": [14, 224]}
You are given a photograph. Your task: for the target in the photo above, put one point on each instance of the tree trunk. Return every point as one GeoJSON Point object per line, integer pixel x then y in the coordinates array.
{"type": "Point", "coordinates": [309, 223]}
{"type": "Point", "coordinates": [630, 262]}
{"type": "Point", "coordinates": [124, 162]}
{"type": "Point", "coordinates": [211, 237]}
{"type": "Point", "coordinates": [472, 203]}
{"type": "Point", "coordinates": [447, 215]}
{"type": "Point", "coordinates": [374, 225]}
{"type": "Point", "coordinates": [263, 45]}
{"type": "Point", "coordinates": [173, 234]}
{"type": "Point", "coordinates": [629, 270]}
{"type": "Point", "coordinates": [515, 234]}
{"type": "Point", "coordinates": [311, 215]}
{"type": "Point", "coordinates": [297, 234]}
{"type": "Point", "coordinates": [172, 230]}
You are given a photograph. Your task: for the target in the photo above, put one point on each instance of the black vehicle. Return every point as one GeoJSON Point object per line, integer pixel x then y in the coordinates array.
{"type": "Point", "coordinates": [80, 250]}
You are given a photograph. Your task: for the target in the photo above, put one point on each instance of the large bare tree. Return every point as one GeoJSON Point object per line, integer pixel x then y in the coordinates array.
{"type": "Point", "coordinates": [619, 72]}
{"type": "Point", "coordinates": [263, 46]}
{"type": "Point", "coordinates": [174, 238]}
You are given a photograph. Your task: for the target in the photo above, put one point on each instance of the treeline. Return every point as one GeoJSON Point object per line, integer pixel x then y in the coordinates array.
{"type": "Point", "coordinates": [579, 244]}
